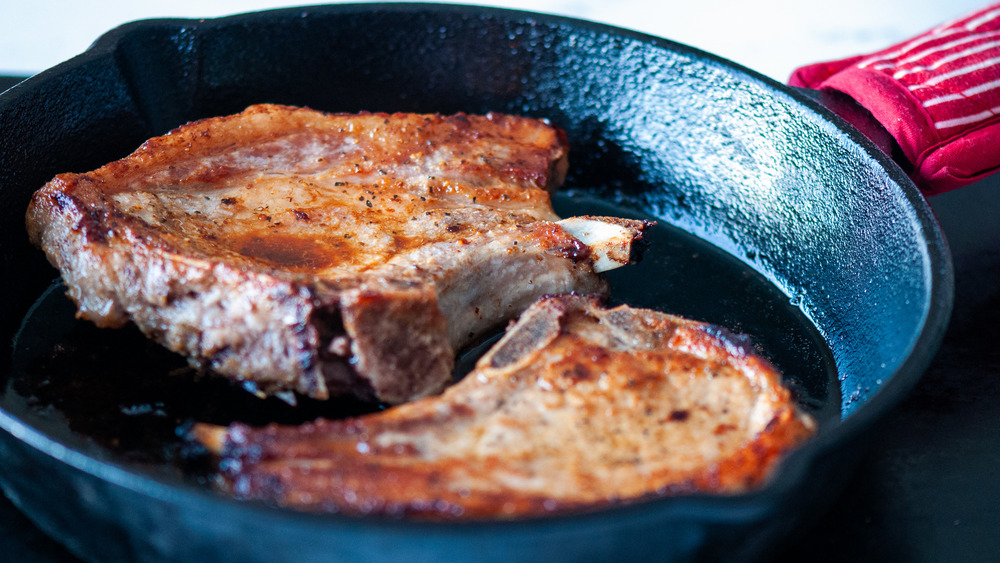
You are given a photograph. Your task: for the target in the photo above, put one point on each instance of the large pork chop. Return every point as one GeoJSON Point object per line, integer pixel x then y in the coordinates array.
{"type": "Point", "coordinates": [320, 253]}
{"type": "Point", "coordinates": [577, 406]}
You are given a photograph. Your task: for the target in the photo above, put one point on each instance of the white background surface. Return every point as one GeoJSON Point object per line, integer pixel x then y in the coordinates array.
{"type": "Point", "coordinates": [770, 36]}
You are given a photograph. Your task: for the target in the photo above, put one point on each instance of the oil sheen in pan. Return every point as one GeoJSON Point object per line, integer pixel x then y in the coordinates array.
{"type": "Point", "coordinates": [116, 395]}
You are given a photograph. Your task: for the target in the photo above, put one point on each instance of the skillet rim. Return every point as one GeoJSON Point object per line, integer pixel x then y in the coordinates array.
{"type": "Point", "coordinates": [793, 470]}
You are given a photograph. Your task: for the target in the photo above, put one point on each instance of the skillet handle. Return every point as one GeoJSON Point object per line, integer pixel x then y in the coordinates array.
{"type": "Point", "coordinates": [937, 95]}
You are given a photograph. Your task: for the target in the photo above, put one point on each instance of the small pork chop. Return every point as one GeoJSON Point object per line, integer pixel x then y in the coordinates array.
{"type": "Point", "coordinates": [577, 406]}
{"type": "Point", "coordinates": [324, 253]}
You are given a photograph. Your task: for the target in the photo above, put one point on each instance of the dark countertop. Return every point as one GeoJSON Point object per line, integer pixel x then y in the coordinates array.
{"type": "Point", "coordinates": [927, 490]}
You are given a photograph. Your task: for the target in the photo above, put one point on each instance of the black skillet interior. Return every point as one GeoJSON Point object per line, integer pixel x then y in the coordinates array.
{"type": "Point", "coordinates": [776, 220]}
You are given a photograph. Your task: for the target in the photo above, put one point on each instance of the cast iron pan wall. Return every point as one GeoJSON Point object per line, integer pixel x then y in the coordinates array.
{"type": "Point", "coordinates": [717, 150]}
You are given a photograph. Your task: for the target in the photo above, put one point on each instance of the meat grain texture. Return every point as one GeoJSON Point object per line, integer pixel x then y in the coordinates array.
{"type": "Point", "coordinates": [576, 407]}
{"type": "Point", "coordinates": [323, 254]}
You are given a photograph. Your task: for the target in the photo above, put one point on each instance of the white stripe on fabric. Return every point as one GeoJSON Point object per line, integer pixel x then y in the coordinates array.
{"type": "Point", "coordinates": [981, 116]}
{"type": "Point", "coordinates": [985, 18]}
{"type": "Point", "coordinates": [958, 72]}
{"type": "Point", "coordinates": [938, 32]}
{"type": "Point", "coordinates": [943, 99]}
{"type": "Point", "coordinates": [947, 46]}
{"type": "Point", "coordinates": [908, 47]}
{"type": "Point", "coordinates": [945, 60]}
{"type": "Point", "coordinates": [964, 94]}
{"type": "Point", "coordinates": [982, 88]}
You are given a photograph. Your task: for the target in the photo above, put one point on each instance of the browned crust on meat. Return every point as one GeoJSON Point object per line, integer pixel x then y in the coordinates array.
{"type": "Point", "coordinates": [577, 407]}
{"type": "Point", "coordinates": [270, 245]}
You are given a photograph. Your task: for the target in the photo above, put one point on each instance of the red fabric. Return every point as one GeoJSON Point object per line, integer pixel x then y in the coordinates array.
{"type": "Point", "coordinates": [937, 94]}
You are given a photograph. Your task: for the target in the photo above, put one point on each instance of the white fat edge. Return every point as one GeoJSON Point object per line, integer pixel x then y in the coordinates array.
{"type": "Point", "coordinates": [606, 241]}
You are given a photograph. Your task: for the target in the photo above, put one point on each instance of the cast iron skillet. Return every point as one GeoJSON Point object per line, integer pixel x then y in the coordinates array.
{"type": "Point", "coordinates": [784, 192]}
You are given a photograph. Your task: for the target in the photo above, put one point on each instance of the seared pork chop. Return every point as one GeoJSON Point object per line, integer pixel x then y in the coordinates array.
{"type": "Point", "coordinates": [576, 406]}
{"type": "Point", "coordinates": [323, 253]}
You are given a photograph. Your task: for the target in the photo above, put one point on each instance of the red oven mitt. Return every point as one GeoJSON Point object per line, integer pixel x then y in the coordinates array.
{"type": "Point", "coordinates": [937, 94]}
